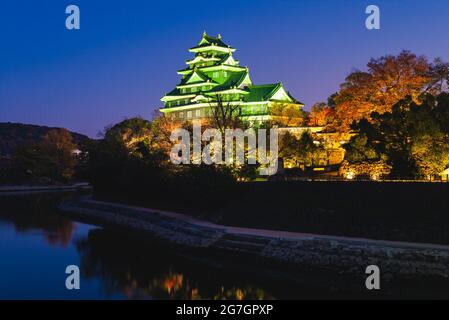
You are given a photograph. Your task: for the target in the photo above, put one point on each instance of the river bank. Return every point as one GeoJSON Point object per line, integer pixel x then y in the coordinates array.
{"type": "Point", "coordinates": [26, 189]}
{"type": "Point", "coordinates": [398, 261]}
{"type": "Point", "coordinates": [405, 212]}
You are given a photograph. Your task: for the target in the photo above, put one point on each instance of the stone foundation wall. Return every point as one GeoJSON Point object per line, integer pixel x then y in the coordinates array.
{"type": "Point", "coordinates": [335, 254]}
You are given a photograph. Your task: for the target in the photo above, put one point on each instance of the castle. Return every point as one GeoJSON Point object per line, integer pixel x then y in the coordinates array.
{"type": "Point", "coordinates": [214, 75]}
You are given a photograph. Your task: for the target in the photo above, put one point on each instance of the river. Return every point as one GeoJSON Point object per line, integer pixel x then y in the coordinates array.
{"type": "Point", "coordinates": [37, 243]}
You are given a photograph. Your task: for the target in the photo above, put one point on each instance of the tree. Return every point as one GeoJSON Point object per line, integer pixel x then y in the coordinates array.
{"type": "Point", "coordinates": [53, 158]}
{"type": "Point", "coordinates": [439, 75]}
{"type": "Point", "coordinates": [359, 149]}
{"type": "Point", "coordinates": [161, 130]}
{"type": "Point", "coordinates": [296, 151]}
{"type": "Point", "coordinates": [225, 114]}
{"type": "Point", "coordinates": [431, 154]}
{"type": "Point", "coordinates": [387, 80]}
{"type": "Point", "coordinates": [124, 156]}
{"type": "Point", "coordinates": [413, 137]}
{"type": "Point", "coordinates": [373, 170]}
{"type": "Point", "coordinates": [129, 164]}
{"type": "Point", "coordinates": [321, 115]}
{"type": "Point", "coordinates": [130, 132]}
{"type": "Point", "coordinates": [287, 115]}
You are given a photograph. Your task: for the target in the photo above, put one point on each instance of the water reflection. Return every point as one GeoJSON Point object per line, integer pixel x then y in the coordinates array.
{"type": "Point", "coordinates": [36, 212]}
{"type": "Point", "coordinates": [117, 264]}
{"type": "Point", "coordinates": [120, 264]}
{"type": "Point", "coordinates": [142, 270]}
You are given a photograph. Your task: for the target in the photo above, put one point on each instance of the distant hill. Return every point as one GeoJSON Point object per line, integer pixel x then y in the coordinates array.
{"type": "Point", "coordinates": [15, 134]}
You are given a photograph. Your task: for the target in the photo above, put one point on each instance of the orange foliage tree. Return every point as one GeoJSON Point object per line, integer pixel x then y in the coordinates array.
{"type": "Point", "coordinates": [387, 80]}
{"type": "Point", "coordinates": [321, 115]}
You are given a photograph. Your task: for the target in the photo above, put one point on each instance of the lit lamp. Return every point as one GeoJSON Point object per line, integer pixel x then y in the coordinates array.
{"type": "Point", "coordinates": [350, 175]}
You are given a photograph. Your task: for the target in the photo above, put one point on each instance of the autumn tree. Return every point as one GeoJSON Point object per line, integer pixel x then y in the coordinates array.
{"type": "Point", "coordinates": [129, 133]}
{"type": "Point", "coordinates": [321, 115]}
{"type": "Point", "coordinates": [387, 80]}
{"type": "Point", "coordinates": [162, 127]}
{"type": "Point", "coordinates": [129, 163]}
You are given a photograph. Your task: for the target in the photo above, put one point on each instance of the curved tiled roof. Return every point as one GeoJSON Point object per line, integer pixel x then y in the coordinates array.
{"type": "Point", "coordinates": [234, 78]}
{"type": "Point", "coordinates": [207, 40]}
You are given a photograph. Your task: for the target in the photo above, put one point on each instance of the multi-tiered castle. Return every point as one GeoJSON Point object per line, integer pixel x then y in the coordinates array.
{"type": "Point", "coordinates": [214, 75]}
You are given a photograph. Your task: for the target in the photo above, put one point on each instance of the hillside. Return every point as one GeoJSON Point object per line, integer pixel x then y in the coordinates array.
{"type": "Point", "coordinates": [15, 134]}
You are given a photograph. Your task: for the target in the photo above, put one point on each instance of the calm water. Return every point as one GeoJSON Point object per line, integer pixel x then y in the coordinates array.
{"type": "Point", "coordinates": [37, 244]}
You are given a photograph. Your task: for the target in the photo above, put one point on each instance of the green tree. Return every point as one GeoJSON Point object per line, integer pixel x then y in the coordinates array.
{"type": "Point", "coordinates": [359, 149]}
{"type": "Point", "coordinates": [296, 151]}
{"type": "Point", "coordinates": [287, 115]}
{"type": "Point", "coordinates": [413, 138]}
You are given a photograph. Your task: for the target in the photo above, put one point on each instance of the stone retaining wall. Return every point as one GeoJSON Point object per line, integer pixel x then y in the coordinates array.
{"type": "Point", "coordinates": [336, 254]}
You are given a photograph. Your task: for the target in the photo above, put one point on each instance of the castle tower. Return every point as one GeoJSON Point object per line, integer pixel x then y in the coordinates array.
{"type": "Point", "coordinates": [214, 74]}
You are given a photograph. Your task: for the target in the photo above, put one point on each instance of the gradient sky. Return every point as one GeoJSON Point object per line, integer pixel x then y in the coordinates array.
{"type": "Point", "coordinates": [126, 54]}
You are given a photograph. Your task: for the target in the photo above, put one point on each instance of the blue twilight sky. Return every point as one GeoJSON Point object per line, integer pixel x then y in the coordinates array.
{"type": "Point", "coordinates": [126, 54]}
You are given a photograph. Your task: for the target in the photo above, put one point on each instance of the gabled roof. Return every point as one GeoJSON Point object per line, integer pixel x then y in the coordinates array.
{"type": "Point", "coordinates": [267, 92]}
{"type": "Point", "coordinates": [208, 41]}
{"type": "Point", "coordinates": [261, 92]}
{"type": "Point", "coordinates": [227, 58]}
{"type": "Point", "coordinates": [195, 77]}
{"type": "Point", "coordinates": [235, 80]}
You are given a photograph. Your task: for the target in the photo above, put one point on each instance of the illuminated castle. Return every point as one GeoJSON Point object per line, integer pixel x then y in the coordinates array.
{"type": "Point", "coordinates": [214, 75]}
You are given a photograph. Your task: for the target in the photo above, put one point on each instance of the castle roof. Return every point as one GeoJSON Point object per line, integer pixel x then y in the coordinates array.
{"type": "Point", "coordinates": [209, 41]}
{"type": "Point", "coordinates": [213, 71]}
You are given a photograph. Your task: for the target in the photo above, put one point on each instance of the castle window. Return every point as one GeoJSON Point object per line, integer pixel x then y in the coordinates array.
{"type": "Point", "coordinates": [215, 74]}
{"type": "Point", "coordinates": [198, 113]}
{"type": "Point", "coordinates": [189, 114]}
{"type": "Point", "coordinates": [225, 74]}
